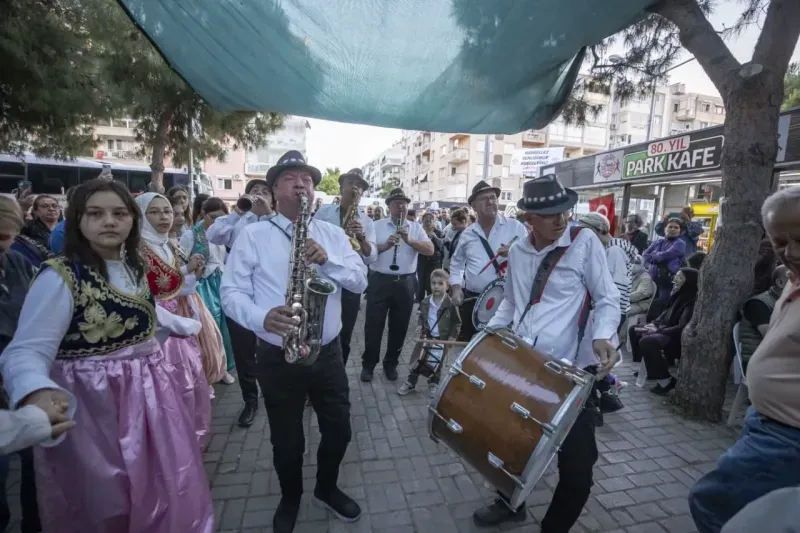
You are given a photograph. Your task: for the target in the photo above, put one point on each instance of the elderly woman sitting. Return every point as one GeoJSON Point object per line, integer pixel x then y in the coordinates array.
{"type": "Point", "coordinates": [659, 343]}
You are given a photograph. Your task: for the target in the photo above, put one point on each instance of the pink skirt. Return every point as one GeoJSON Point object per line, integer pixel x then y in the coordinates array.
{"type": "Point", "coordinates": [131, 464]}
{"type": "Point", "coordinates": [184, 354]}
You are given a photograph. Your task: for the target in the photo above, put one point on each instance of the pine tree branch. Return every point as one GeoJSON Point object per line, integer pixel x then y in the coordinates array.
{"type": "Point", "coordinates": [778, 39]}
{"type": "Point", "coordinates": [700, 38]}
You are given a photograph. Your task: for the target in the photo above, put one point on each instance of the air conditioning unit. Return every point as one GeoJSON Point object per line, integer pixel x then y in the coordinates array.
{"type": "Point", "coordinates": [612, 126]}
{"type": "Point", "coordinates": [237, 177]}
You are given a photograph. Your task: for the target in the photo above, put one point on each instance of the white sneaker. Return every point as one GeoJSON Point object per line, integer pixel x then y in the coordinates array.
{"type": "Point", "coordinates": [227, 379]}
{"type": "Point", "coordinates": [433, 388]}
{"type": "Point", "coordinates": [406, 388]}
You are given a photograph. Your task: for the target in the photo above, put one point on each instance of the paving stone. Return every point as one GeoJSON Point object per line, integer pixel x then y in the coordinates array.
{"type": "Point", "coordinates": [614, 500]}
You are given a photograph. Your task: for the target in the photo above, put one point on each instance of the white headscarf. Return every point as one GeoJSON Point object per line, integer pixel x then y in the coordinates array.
{"type": "Point", "coordinates": [159, 242]}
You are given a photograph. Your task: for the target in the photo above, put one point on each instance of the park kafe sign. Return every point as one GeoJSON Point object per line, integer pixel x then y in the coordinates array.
{"type": "Point", "coordinates": [678, 155]}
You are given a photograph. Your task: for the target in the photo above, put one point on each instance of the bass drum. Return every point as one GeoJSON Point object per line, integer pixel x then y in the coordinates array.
{"type": "Point", "coordinates": [506, 408]}
{"type": "Point", "coordinates": [487, 303]}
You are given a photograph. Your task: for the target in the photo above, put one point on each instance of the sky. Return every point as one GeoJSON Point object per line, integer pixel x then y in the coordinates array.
{"type": "Point", "coordinates": [332, 144]}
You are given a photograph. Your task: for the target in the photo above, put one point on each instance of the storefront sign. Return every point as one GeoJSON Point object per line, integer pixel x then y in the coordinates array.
{"type": "Point", "coordinates": [674, 156]}
{"type": "Point", "coordinates": [608, 167]}
{"type": "Point", "coordinates": [526, 162]}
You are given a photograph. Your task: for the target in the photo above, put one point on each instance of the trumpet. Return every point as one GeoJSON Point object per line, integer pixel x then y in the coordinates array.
{"type": "Point", "coordinates": [399, 223]}
{"type": "Point", "coordinates": [351, 214]}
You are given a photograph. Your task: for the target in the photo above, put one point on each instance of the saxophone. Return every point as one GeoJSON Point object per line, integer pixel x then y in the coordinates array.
{"type": "Point", "coordinates": [306, 294]}
{"type": "Point", "coordinates": [350, 215]}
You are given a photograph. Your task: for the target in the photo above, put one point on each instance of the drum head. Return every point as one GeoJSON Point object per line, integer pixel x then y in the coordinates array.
{"type": "Point", "coordinates": [487, 303]}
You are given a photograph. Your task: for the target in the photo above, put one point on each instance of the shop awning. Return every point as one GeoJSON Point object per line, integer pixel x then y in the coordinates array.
{"type": "Point", "coordinates": [477, 66]}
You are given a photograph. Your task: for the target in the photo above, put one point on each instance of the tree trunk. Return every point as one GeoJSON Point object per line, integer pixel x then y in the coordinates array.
{"type": "Point", "coordinates": [752, 96]}
{"type": "Point", "coordinates": [160, 149]}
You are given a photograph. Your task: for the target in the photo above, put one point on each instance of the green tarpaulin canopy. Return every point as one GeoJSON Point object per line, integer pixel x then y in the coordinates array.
{"type": "Point", "coordinates": [476, 66]}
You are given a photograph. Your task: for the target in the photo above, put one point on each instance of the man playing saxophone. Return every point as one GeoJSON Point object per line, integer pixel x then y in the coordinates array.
{"type": "Point", "coordinates": [254, 294]}
{"type": "Point", "coordinates": [359, 226]}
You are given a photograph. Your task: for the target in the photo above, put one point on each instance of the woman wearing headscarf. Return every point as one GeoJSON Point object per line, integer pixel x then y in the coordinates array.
{"type": "Point", "coordinates": [33, 241]}
{"type": "Point", "coordinates": [16, 274]}
{"type": "Point", "coordinates": [180, 195]}
{"type": "Point", "coordinates": [659, 343]}
{"type": "Point", "coordinates": [172, 278]}
{"type": "Point", "coordinates": [86, 343]}
{"type": "Point", "coordinates": [195, 242]}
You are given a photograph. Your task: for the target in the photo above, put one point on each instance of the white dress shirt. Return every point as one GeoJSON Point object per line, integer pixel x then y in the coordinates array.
{"type": "Point", "coordinates": [44, 320]}
{"type": "Point", "coordinates": [470, 255]}
{"type": "Point", "coordinates": [406, 255]}
{"type": "Point", "coordinates": [257, 272]}
{"type": "Point", "coordinates": [331, 213]}
{"type": "Point", "coordinates": [552, 324]}
{"type": "Point", "coordinates": [216, 253]}
{"type": "Point", "coordinates": [434, 350]}
{"type": "Point", "coordinates": [226, 228]}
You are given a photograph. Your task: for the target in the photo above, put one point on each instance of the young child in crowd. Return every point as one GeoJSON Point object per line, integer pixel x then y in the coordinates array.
{"type": "Point", "coordinates": [438, 319]}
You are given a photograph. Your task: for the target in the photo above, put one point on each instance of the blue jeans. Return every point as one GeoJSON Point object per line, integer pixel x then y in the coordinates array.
{"type": "Point", "coordinates": [765, 458]}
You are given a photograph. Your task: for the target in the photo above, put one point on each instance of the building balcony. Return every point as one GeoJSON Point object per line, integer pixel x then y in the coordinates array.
{"type": "Point", "coordinates": [534, 137]}
{"type": "Point", "coordinates": [117, 132]}
{"type": "Point", "coordinates": [426, 148]}
{"type": "Point", "coordinates": [391, 162]}
{"type": "Point", "coordinates": [459, 178]}
{"type": "Point", "coordinates": [459, 155]}
{"type": "Point", "coordinates": [256, 168]}
{"type": "Point", "coordinates": [422, 168]}
{"type": "Point", "coordinates": [685, 114]}
{"type": "Point", "coordinates": [454, 136]}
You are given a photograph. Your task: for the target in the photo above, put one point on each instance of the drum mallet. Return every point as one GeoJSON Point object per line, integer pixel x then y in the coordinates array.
{"type": "Point", "coordinates": [493, 259]}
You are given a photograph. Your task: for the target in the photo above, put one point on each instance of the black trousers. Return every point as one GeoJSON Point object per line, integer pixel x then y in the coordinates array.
{"type": "Point", "coordinates": [243, 343]}
{"type": "Point", "coordinates": [392, 296]}
{"type": "Point", "coordinates": [27, 493]}
{"type": "Point", "coordinates": [465, 310]}
{"type": "Point", "coordinates": [285, 387]}
{"type": "Point", "coordinates": [424, 268]}
{"type": "Point", "coordinates": [351, 305]}
{"type": "Point", "coordinates": [576, 459]}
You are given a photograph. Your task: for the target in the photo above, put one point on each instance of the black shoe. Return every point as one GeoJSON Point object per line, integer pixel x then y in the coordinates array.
{"type": "Point", "coordinates": [636, 374]}
{"type": "Point", "coordinates": [663, 391]}
{"type": "Point", "coordinates": [366, 375]}
{"type": "Point", "coordinates": [248, 414]}
{"type": "Point", "coordinates": [285, 515]}
{"type": "Point", "coordinates": [339, 503]}
{"type": "Point", "coordinates": [598, 418]}
{"type": "Point", "coordinates": [610, 403]}
{"type": "Point", "coordinates": [496, 513]}
{"type": "Point", "coordinates": [390, 373]}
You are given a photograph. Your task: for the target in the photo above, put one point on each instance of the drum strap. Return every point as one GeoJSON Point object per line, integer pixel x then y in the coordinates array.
{"type": "Point", "coordinates": [489, 252]}
{"type": "Point", "coordinates": [543, 274]}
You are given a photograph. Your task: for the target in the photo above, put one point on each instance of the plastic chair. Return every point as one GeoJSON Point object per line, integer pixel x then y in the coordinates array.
{"type": "Point", "coordinates": [739, 377]}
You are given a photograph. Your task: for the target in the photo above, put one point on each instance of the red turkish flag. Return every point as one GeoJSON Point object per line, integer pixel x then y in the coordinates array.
{"type": "Point", "coordinates": [605, 206]}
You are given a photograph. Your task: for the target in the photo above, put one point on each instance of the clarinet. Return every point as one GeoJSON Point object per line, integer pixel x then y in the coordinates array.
{"type": "Point", "coordinates": [394, 266]}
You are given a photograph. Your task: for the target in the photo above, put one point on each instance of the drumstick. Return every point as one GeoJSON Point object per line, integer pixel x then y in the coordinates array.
{"type": "Point", "coordinates": [493, 259]}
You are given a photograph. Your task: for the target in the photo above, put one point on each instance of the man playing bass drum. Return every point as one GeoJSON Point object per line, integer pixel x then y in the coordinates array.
{"type": "Point", "coordinates": [480, 242]}
{"type": "Point", "coordinates": [554, 316]}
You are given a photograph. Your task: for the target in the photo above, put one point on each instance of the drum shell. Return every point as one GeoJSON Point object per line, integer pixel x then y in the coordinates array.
{"type": "Point", "coordinates": [513, 372]}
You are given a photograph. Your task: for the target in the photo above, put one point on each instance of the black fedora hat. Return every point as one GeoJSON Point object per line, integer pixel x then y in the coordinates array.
{"type": "Point", "coordinates": [253, 183]}
{"type": "Point", "coordinates": [289, 160]}
{"type": "Point", "coordinates": [480, 187]}
{"type": "Point", "coordinates": [357, 175]}
{"type": "Point", "coordinates": [397, 194]}
{"type": "Point", "coordinates": [546, 196]}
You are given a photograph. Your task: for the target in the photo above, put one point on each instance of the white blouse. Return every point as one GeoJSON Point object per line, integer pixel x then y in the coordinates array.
{"type": "Point", "coordinates": [216, 253]}
{"type": "Point", "coordinates": [44, 320]}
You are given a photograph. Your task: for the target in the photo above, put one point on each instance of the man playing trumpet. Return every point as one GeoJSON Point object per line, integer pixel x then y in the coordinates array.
{"type": "Point", "coordinates": [359, 227]}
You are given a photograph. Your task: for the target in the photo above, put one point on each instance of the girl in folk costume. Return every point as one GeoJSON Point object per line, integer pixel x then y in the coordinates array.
{"type": "Point", "coordinates": [195, 242]}
{"type": "Point", "coordinates": [85, 342]}
{"type": "Point", "coordinates": [173, 280]}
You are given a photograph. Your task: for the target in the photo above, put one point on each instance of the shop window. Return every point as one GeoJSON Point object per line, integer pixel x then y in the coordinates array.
{"type": "Point", "coordinates": [497, 159]}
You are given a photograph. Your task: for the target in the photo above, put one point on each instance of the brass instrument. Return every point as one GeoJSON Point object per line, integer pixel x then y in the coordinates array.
{"type": "Point", "coordinates": [399, 223]}
{"type": "Point", "coordinates": [306, 294]}
{"type": "Point", "coordinates": [351, 214]}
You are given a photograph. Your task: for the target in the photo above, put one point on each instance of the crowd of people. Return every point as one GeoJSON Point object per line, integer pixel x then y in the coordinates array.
{"type": "Point", "coordinates": [118, 317]}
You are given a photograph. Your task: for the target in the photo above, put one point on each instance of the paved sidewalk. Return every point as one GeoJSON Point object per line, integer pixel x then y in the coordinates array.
{"type": "Point", "coordinates": [407, 483]}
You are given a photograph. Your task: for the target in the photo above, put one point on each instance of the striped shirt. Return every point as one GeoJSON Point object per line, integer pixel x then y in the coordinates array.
{"type": "Point", "coordinates": [620, 264]}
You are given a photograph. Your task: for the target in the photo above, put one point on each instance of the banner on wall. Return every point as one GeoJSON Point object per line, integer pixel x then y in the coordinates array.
{"type": "Point", "coordinates": [605, 206]}
{"type": "Point", "coordinates": [608, 167]}
{"type": "Point", "coordinates": [526, 162]}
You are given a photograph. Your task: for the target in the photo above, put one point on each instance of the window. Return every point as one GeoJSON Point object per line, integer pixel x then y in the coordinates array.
{"type": "Point", "coordinates": [444, 150]}
{"type": "Point", "coordinates": [110, 144]}
{"type": "Point", "coordinates": [506, 171]}
{"type": "Point", "coordinates": [497, 159]}
{"type": "Point", "coordinates": [719, 110]}
{"type": "Point", "coordinates": [703, 124]}
{"type": "Point", "coordinates": [499, 137]}
{"type": "Point", "coordinates": [225, 184]}
{"type": "Point", "coordinates": [705, 107]}
{"type": "Point", "coordinates": [119, 144]}
{"type": "Point", "coordinates": [675, 107]}
{"type": "Point", "coordinates": [479, 172]}
{"type": "Point", "coordinates": [508, 148]}
{"type": "Point", "coordinates": [505, 195]}
{"type": "Point", "coordinates": [452, 171]}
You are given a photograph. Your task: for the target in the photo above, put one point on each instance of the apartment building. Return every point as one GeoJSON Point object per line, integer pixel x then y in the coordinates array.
{"type": "Point", "coordinates": [116, 141]}
{"type": "Point", "coordinates": [674, 111]}
{"type": "Point", "coordinates": [389, 165]}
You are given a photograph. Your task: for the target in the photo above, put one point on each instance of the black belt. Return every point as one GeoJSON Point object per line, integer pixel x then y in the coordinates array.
{"type": "Point", "coordinates": [394, 277]}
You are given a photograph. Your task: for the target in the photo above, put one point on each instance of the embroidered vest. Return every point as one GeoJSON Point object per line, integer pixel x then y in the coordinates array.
{"type": "Point", "coordinates": [165, 280]}
{"type": "Point", "coordinates": [104, 319]}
